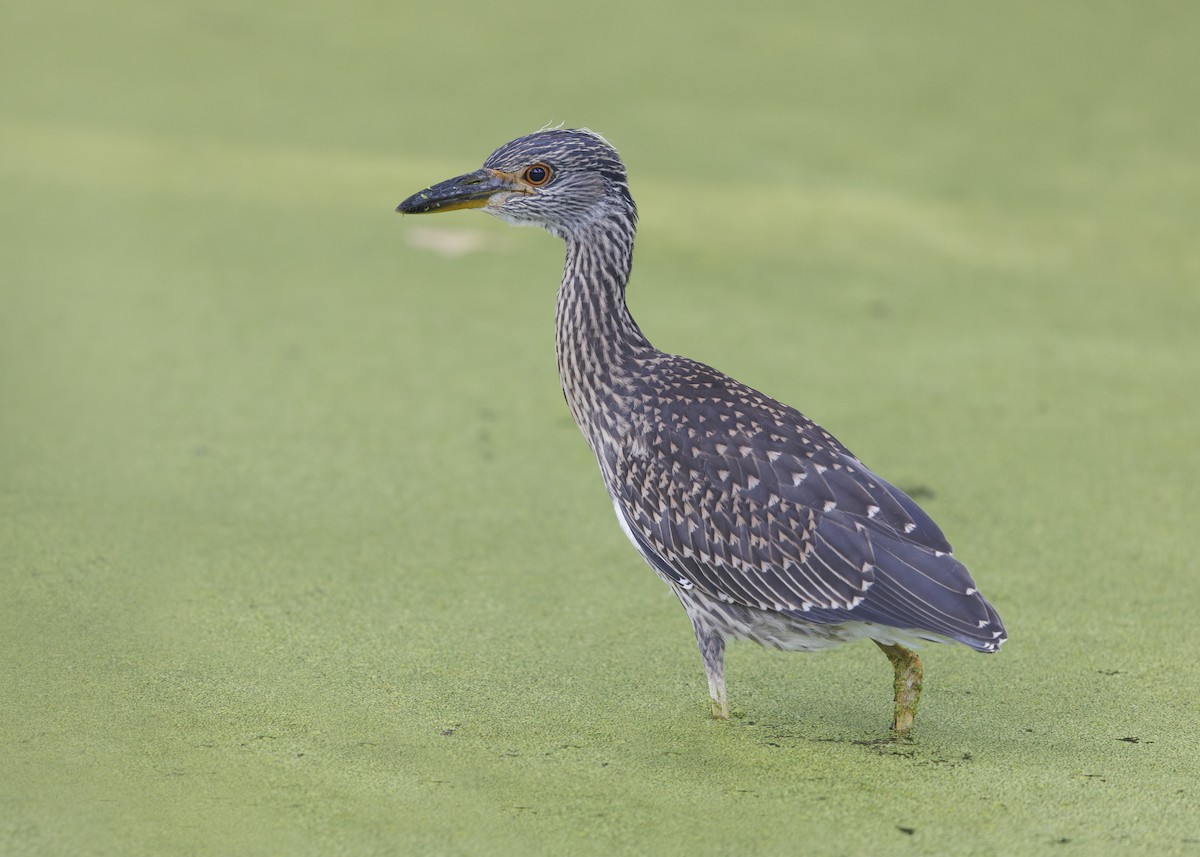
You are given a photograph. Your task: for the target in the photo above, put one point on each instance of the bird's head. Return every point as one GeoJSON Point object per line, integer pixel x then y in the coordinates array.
{"type": "Point", "coordinates": [560, 179]}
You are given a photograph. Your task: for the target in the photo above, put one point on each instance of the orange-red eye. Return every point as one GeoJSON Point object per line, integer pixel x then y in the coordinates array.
{"type": "Point", "coordinates": [538, 174]}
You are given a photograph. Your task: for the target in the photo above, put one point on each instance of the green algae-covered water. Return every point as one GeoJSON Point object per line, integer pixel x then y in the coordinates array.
{"type": "Point", "coordinates": [300, 552]}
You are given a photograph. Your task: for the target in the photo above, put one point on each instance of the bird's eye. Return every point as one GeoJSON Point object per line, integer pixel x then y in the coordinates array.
{"type": "Point", "coordinates": [538, 174]}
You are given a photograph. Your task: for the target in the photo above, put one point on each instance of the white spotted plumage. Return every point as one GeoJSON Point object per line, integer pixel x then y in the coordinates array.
{"type": "Point", "coordinates": [763, 524]}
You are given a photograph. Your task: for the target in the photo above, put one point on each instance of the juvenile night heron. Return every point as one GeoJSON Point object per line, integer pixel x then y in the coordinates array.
{"type": "Point", "coordinates": [759, 520]}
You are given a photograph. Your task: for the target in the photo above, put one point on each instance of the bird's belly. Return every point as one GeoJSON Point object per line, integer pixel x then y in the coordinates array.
{"type": "Point", "coordinates": [767, 627]}
{"type": "Point", "coordinates": [784, 631]}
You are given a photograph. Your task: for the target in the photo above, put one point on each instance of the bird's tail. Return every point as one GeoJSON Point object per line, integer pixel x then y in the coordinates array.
{"type": "Point", "coordinates": [928, 594]}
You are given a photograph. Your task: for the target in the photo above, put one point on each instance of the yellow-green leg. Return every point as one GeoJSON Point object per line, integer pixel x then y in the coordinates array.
{"type": "Point", "coordinates": [907, 684]}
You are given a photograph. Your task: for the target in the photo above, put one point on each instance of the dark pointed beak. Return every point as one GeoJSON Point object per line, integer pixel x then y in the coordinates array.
{"type": "Point", "coordinates": [470, 191]}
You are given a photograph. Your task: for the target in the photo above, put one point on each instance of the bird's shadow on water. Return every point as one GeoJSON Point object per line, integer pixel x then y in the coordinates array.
{"type": "Point", "coordinates": [908, 749]}
{"type": "Point", "coordinates": [911, 747]}
{"type": "Point", "coordinates": [774, 734]}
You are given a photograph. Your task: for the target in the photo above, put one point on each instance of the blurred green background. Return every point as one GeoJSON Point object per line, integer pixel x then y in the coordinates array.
{"type": "Point", "coordinates": [300, 552]}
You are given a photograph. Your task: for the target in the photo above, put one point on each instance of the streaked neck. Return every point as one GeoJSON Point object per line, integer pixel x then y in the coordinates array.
{"type": "Point", "coordinates": [596, 338]}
